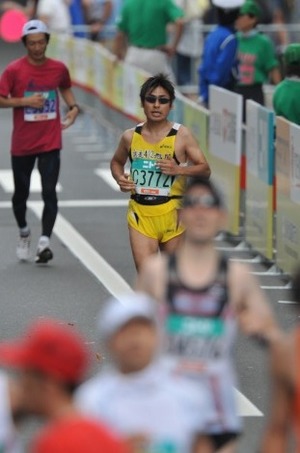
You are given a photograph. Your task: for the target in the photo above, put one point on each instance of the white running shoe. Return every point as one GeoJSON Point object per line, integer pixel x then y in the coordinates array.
{"type": "Point", "coordinates": [23, 248]}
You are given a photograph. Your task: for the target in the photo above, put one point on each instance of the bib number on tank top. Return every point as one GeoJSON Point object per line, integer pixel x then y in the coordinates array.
{"type": "Point", "coordinates": [47, 112]}
{"type": "Point", "coordinates": [161, 447]}
{"type": "Point", "coordinates": [149, 179]}
{"type": "Point", "coordinates": [195, 338]}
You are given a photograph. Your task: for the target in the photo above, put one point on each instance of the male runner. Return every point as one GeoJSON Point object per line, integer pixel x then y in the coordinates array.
{"type": "Point", "coordinates": [31, 86]}
{"type": "Point", "coordinates": [162, 154]}
{"type": "Point", "coordinates": [205, 297]}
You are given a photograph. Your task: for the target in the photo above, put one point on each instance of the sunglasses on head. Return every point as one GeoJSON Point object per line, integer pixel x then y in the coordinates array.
{"type": "Point", "coordinates": [204, 201]}
{"type": "Point", "coordinates": [152, 99]}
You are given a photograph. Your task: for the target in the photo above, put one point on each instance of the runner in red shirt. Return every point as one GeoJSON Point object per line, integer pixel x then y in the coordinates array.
{"type": "Point", "coordinates": [31, 86]}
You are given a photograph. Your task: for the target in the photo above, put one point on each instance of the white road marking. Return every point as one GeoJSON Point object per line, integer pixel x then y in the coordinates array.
{"type": "Point", "coordinates": [81, 203]}
{"type": "Point", "coordinates": [287, 286]}
{"type": "Point", "coordinates": [7, 182]}
{"type": "Point", "coordinates": [92, 203]}
{"type": "Point", "coordinates": [105, 174]}
{"type": "Point", "coordinates": [86, 254]}
{"type": "Point", "coordinates": [245, 407]}
{"type": "Point", "coordinates": [256, 259]}
{"type": "Point", "coordinates": [287, 302]}
{"type": "Point", "coordinates": [5, 204]}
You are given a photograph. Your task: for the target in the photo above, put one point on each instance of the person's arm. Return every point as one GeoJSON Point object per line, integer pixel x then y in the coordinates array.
{"type": "Point", "coordinates": [69, 98]}
{"type": "Point", "coordinates": [275, 437]}
{"type": "Point", "coordinates": [36, 101]}
{"type": "Point", "coordinates": [86, 4]}
{"type": "Point", "coordinates": [282, 34]}
{"type": "Point", "coordinates": [98, 24]}
{"type": "Point", "coordinates": [270, 60]}
{"type": "Point", "coordinates": [224, 62]}
{"type": "Point", "coordinates": [117, 164]}
{"type": "Point", "coordinates": [170, 49]}
{"type": "Point", "coordinates": [120, 45]}
{"type": "Point", "coordinates": [107, 11]}
{"type": "Point", "coordinates": [253, 310]}
{"type": "Point", "coordinates": [275, 76]}
{"type": "Point", "coordinates": [202, 80]}
{"type": "Point", "coordinates": [186, 146]}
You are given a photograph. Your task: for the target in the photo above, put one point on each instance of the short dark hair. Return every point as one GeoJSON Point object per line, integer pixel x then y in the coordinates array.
{"type": "Point", "coordinates": [47, 36]}
{"type": "Point", "coordinates": [158, 80]}
{"type": "Point", "coordinates": [292, 70]}
{"type": "Point", "coordinates": [227, 16]}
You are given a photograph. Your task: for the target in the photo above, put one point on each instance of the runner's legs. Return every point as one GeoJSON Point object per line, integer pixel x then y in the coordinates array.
{"type": "Point", "coordinates": [141, 246]}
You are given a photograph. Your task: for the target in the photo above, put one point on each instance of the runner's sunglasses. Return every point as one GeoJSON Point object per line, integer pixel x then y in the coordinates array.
{"type": "Point", "coordinates": [152, 99]}
{"type": "Point", "coordinates": [204, 201]}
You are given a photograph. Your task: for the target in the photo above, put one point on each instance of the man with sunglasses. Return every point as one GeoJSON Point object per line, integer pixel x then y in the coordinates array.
{"type": "Point", "coordinates": [162, 154]}
{"type": "Point", "coordinates": [205, 298]}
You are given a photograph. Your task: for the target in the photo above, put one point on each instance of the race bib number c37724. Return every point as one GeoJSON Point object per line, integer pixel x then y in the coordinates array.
{"type": "Point", "coordinates": [149, 179]}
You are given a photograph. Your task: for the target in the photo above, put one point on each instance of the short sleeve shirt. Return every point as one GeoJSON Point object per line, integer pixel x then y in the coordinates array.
{"type": "Point", "coordinates": [145, 22]}
{"type": "Point", "coordinates": [256, 58]}
{"type": "Point", "coordinates": [35, 130]}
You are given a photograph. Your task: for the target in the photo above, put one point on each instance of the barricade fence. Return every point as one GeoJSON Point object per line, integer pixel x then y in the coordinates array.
{"type": "Point", "coordinates": [262, 193]}
{"type": "Point", "coordinates": [191, 44]}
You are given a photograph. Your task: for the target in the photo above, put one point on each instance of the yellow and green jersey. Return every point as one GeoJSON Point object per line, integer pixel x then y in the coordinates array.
{"type": "Point", "coordinates": [156, 192]}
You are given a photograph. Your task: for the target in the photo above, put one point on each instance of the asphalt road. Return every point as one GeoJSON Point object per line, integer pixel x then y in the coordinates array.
{"type": "Point", "coordinates": [92, 257]}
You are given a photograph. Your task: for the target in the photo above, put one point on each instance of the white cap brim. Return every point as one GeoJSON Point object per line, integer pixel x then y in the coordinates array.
{"type": "Point", "coordinates": [228, 4]}
{"type": "Point", "coordinates": [118, 312]}
{"type": "Point", "coordinates": [34, 26]}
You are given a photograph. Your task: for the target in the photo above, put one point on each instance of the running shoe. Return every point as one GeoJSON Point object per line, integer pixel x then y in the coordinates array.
{"type": "Point", "coordinates": [23, 248]}
{"type": "Point", "coordinates": [43, 255]}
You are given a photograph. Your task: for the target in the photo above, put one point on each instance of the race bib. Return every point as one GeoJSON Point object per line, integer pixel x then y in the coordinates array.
{"type": "Point", "coordinates": [199, 339]}
{"type": "Point", "coordinates": [47, 112]}
{"type": "Point", "coordinates": [162, 447]}
{"type": "Point", "coordinates": [149, 179]}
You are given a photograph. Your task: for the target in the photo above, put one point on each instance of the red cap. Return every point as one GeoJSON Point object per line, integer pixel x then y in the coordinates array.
{"type": "Point", "coordinates": [49, 346]}
{"type": "Point", "coordinates": [77, 435]}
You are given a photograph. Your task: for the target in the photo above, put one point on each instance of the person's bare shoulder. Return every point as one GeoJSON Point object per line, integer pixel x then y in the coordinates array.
{"type": "Point", "coordinates": [240, 276]}
{"type": "Point", "coordinates": [184, 132]}
{"type": "Point", "coordinates": [186, 144]}
{"type": "Point", "coordinates": [127, 136]}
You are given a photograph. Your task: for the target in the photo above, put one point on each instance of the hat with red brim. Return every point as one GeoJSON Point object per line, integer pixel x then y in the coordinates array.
{"type": "Point", "coordinates": [50, 347]}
